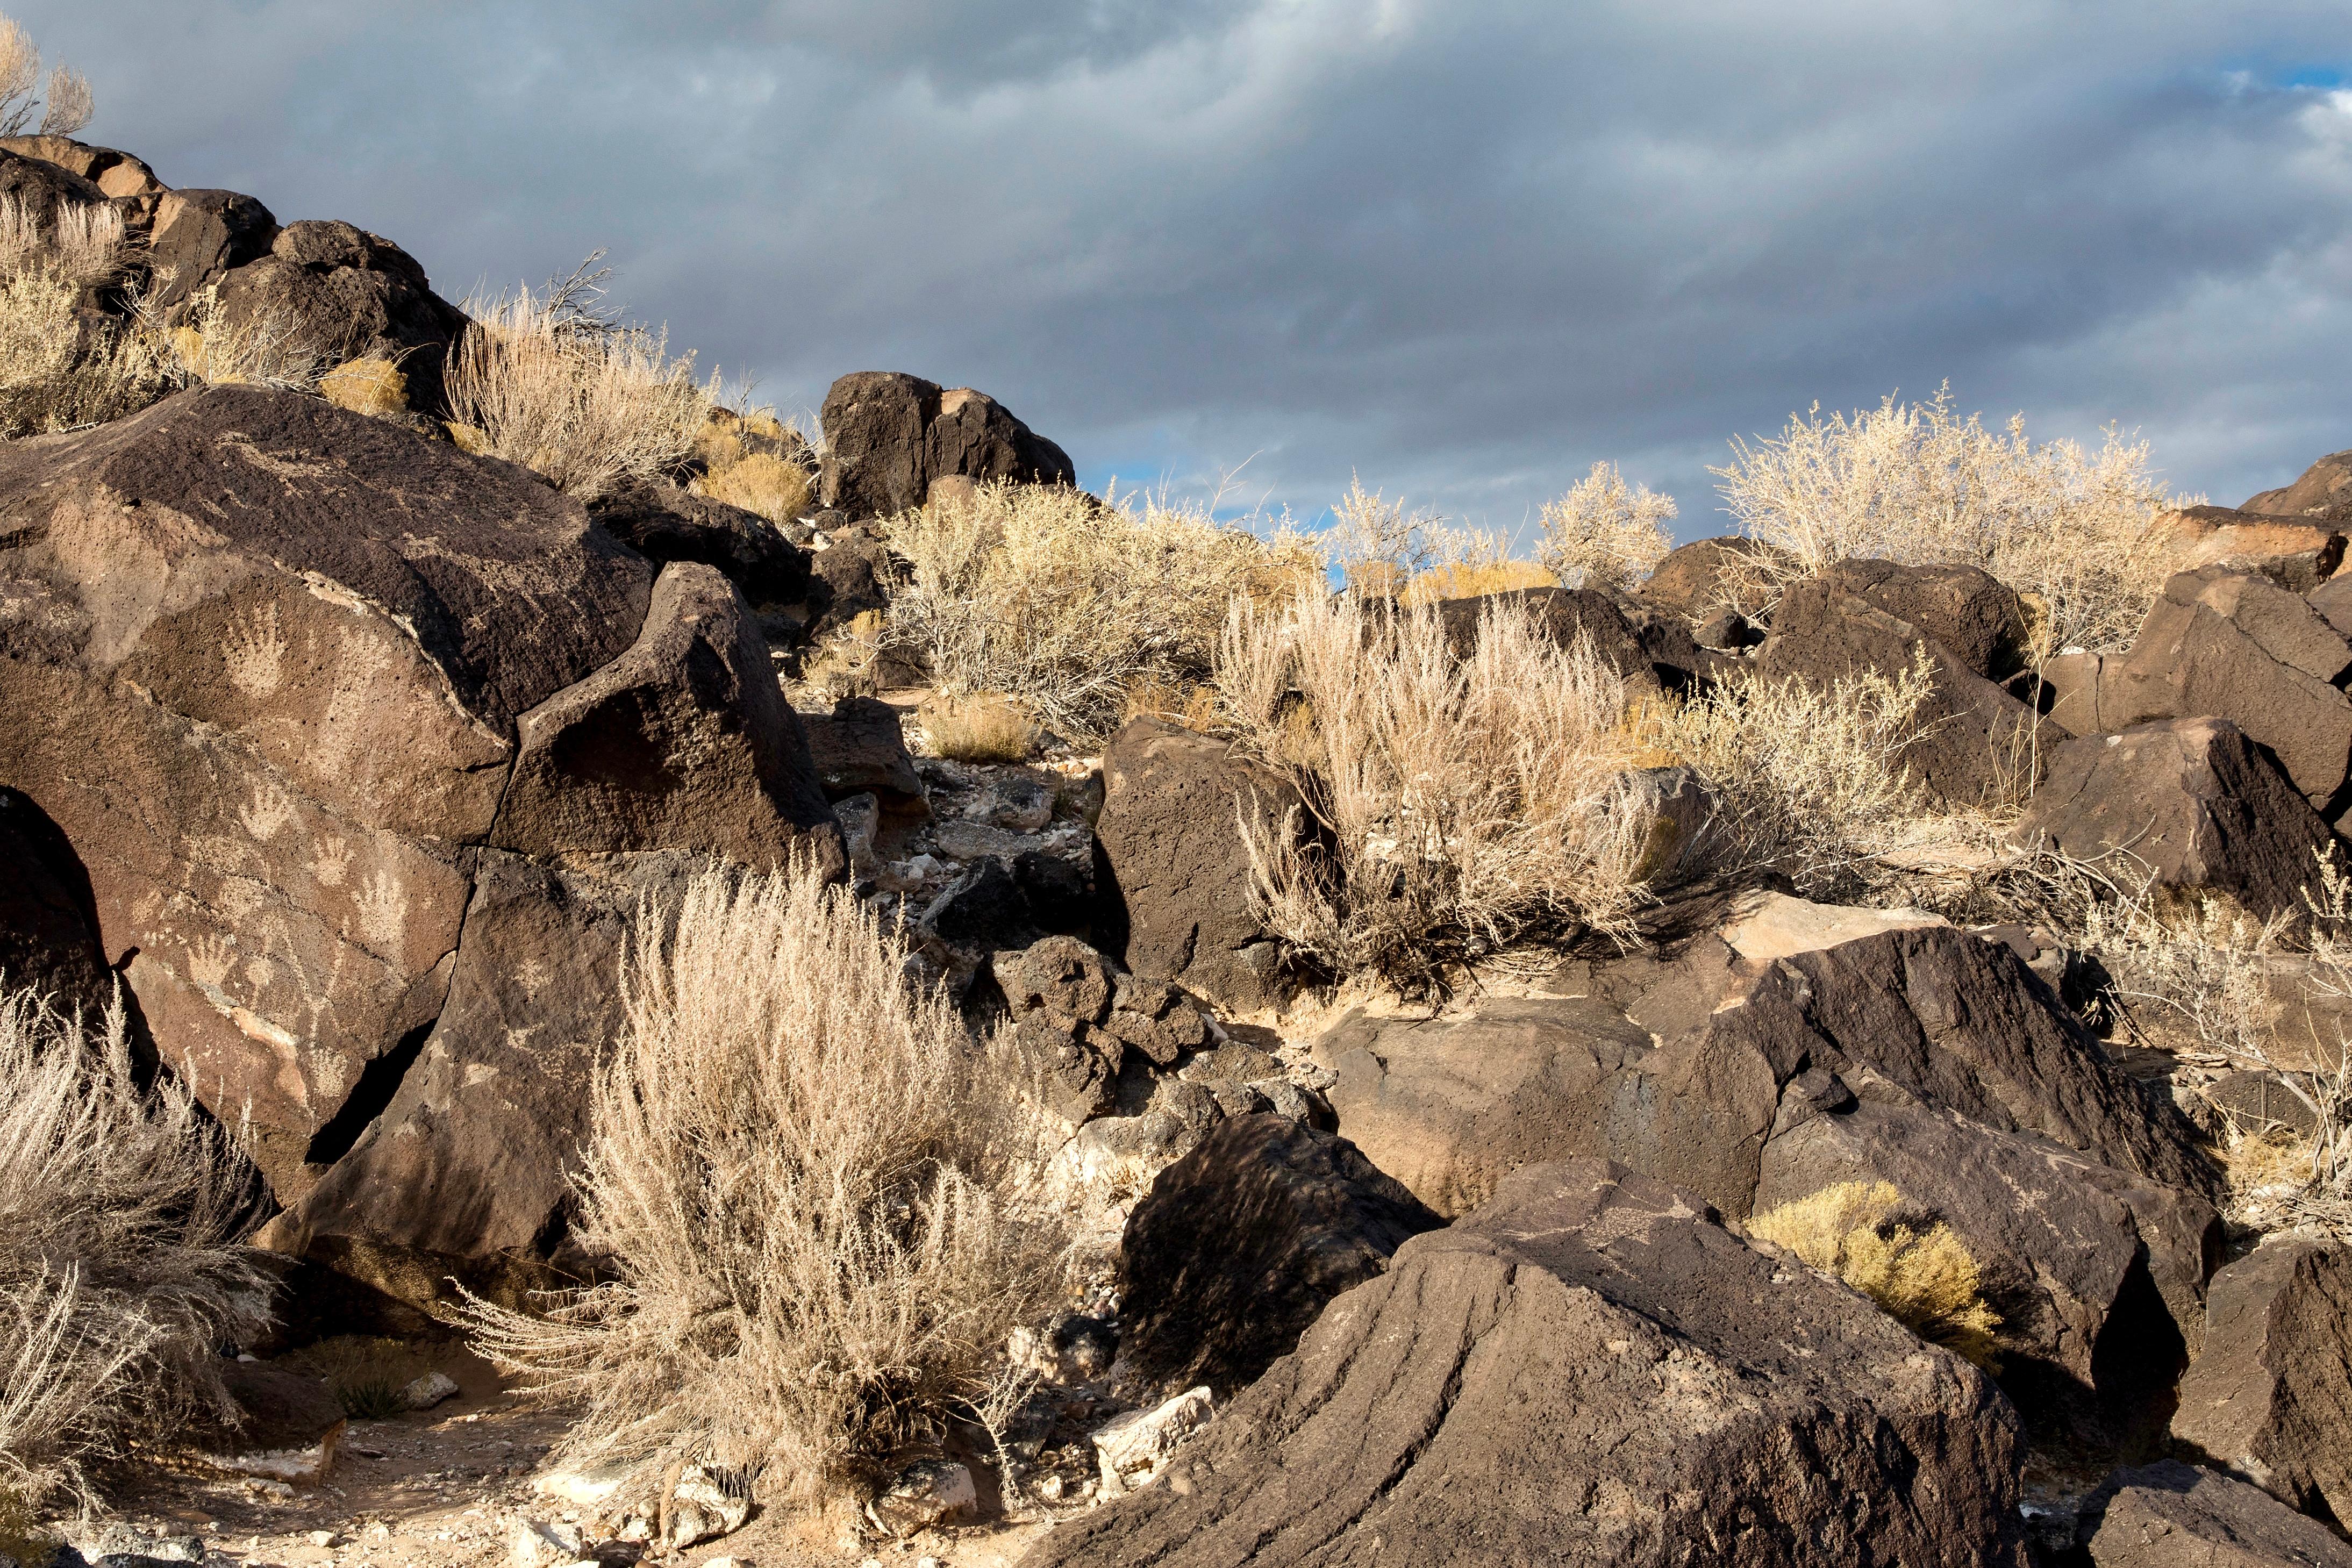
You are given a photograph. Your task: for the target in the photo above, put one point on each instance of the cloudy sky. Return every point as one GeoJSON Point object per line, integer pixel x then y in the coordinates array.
{"type": "Point", "coordinates": [1464, 249]}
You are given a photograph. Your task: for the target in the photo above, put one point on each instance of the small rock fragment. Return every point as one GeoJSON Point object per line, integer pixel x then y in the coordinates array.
{"type": "Point", "coordinates": [924, 1495]}
{"type": "Point", "coordinates": [425, 1392]}
{"type": "Point", "coordinates": [1131, 1449]}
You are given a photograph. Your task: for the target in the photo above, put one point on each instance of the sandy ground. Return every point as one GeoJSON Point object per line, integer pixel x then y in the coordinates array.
{"type": "Point", "coordinates": [449, 1487]}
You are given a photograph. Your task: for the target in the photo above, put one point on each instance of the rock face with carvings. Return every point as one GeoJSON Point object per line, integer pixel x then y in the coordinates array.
{"type": "Point", "coordinates": [268, 666]}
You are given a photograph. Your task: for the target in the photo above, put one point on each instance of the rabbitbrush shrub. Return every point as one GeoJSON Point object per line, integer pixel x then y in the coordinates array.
{"type": "Point", "coordinates": [1917, 482]}
{"type": "Point", "coordinates": [805, 1181]}
{"type": "Point", "coordinates": [1924, 1278]}
{"type": "Point", "coordinates": [121, 1275]}
{"type": "Point", "coordinates": [61, 366]}
{"type": "Point", "coordinates": [1065, 604]}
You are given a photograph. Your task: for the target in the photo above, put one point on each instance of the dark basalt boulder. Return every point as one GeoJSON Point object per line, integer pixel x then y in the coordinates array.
{"type": "Point", "coordinates": [1975, 618]}
{"type": "Point", "coordinates": [115, 174]}
{"type": "Point", "coordinates": [2228, 644]}
{"type": "Point", "coordinates": [352, 295]}
{"type": "Point", "coordinates": [48, 922]}
{"type": "Point", "coordinates": [861, 750]}
{"type": "Point", "coordinates": [39, 185]}
{"type": "Point", "coordinates": [2270, 1398]}
{"type": "Point", "coordinates": [263, 660]}
{"type": "Point", "coordinates": [684, 742]}
{"type": "Point", "coordinates": [199, 236]}
{"type": "Point", "coordinates": [2190, 806]}
{"type": "Point", "coordinates": [1172, 869]}
{"type": "Point", "coordinates": [2171, 1515]}
{"type": "Point", "coordinates": [1238, 1246]}
{"type": "Point", "coordinates": [889, 436]}
{"type": "Point", "coordinates": [1975, 741]}
{"type": "Point", "coordinates": [1588, 1369]}
{"type": "Point", "coordinates": [665, 523]}
{"type": "Point", "coordinates": [1701, 580]}
{"type": "Point", "coordinates": [1653, 652]}
{"type": "Point", "coordinates": [2324, 491]}
{"type": "Point", "coordinates": [462, 1157]}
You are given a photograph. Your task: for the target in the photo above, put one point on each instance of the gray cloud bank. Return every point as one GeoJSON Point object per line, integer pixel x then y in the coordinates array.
{"type": "Point", "coordinates": [1463, 249]}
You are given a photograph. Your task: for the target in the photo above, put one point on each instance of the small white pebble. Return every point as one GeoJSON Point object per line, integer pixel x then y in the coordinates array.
{"type": "Point", "coordinates": [321, 1538]}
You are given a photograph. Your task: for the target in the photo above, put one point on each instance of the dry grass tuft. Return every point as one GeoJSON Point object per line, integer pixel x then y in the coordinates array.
{"type": "Point", "coordinates": [374, 387]}
{"type": "Point", "coordinates": [64, 364]}
{"type": "Point", "coordinates": [63, 109]}
{"type": "Point", "coordinates": [775, 487]}
{"type": "Point", "coordinates": [1924, 1278]}
{"type": "Point", "coordinates": [369, 1376]}
{"type": "Point", "coordinates": [1065, 604]}
{"type": "Point", "coordinates": [981, 727]}
{"type": "Point", "coordinates": [805, 1182]}
{"type": "Point", "coordinates": [1917, 482]}
{"type": "Point", "coordinates": [120, 1272]}
{"type": "Point", "coordinates": [1810, 782]}
{"type": "Point", "coordinates": [549, 382]}
{"type": "Point", "coordinates": [1614, 532]}
{"type": "Point", "coordinates": [1462, 807]}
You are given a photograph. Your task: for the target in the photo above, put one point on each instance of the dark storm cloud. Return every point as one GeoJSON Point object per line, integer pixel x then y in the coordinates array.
{"type": "Point", "coordinates": [1464, 249]}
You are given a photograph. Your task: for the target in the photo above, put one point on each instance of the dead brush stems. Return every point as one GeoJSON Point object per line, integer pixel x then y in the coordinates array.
{"type": "Point", "coordinates": [1065, 604]}
{"type": "Point", "coordinates": [121, 1272]}
{"type": "Point", "coordinates": [1460, 807]}
{"type": "Point", "coordinates": [61, 366]}
{"type": "Point", "coordinates": [1612, 531]}
{"type": "Point", "coordinates": [808, 1186]}
{"type": "Point", "coordinates": [1917, 1270]}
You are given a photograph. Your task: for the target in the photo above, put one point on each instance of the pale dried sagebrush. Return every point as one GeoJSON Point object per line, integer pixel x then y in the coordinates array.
{"type": "Point", "coordinates": [1924, 1278]}
{"type": "Point", "coordinates": [1462, 806]}
{"type": "Point", "coordinates": [64, 110]}
{"type": "Point", "coordinates": [543, 382]}
{"type": "Point", "coordinates": [775, 487]}
{"type": "Point", "coordinates": [1808, 781]}
{"type": "Point", "coordinates": [1064, 604]}
{"type": "Point", "coordinates": [1613, 531]}
{"type": "Point", "coordinates": [1379, 545]}
{"type": "Point", "coordinates": [121, 1273]}
{"type": "Point", "coordinates": [1440, 583]}
{"type": "Point", "coordinates": [805, 1184]}
{"type": "Point", "coordinates": [1916, 482]}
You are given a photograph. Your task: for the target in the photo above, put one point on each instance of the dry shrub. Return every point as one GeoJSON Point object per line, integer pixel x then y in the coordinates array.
{"type": "Point", "coordinates": [121, 1272]}
{"type": "Point", "coordinates": [1811, 782]}
{"type": "Point", "coordinates": [272, 347]}
{"type": "Point", "coordinates": [803, 1180]}
{"type": "Point", "coordinates": [2202, 979]}
{"type": "Point", "coordinates": [372, 386]}
{"type": "Point", "coordinates": [63, 109]}
{"type": "Point", "coordinates": [547, 382]}
{"type": "Point", "coordinates": [64, 364]}
{"type": "Point", "coordinates": [1462, 807]}
{"type": "Point", "coordinates": [981, 727]}
{"type": "Point", "coordinates": [1917, 484]}
{"type": "Point", "coordinates": [1197, 708]}
{"type": "Point", "coordinates": [1613, 532]}
{"type": "Point", "coordinates": [1920, 1274]}
{"type": "Point", "coordinates": [775, 487]}
{"type": "Point", "coordinates": [1065, 604]}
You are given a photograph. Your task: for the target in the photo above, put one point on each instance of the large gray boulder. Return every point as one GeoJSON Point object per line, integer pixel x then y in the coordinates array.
{"type": "Point", "coordinates": [263, 662]}
{"type": "Point", "coordinates": [1173, 870]}
{"type": "Point", "coordinates": [2189, 806]}
{"type": "Point", "coordinates": [1588, 1369]}
{"type": "Point", "coordinates": [2270, 1398]}
{"type": "Point", "coordinates": [1238, 1245]}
